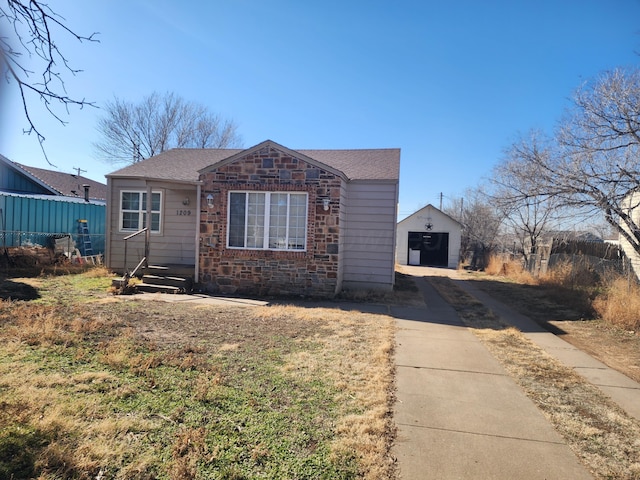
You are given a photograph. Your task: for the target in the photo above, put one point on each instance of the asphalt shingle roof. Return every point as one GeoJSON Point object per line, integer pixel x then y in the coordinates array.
{"type": "Point", "coordinates": [67, 184]}
{"type": "Point", "coordinates": [183, 164]}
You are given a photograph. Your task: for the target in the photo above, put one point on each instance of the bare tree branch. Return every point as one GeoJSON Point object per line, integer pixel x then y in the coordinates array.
{"type": "Point", "coordinates": [594, 162]}
{"type": "Point", "coordinates": [527, 205]}
{"type": "Point", "coordinates": [34, 25]}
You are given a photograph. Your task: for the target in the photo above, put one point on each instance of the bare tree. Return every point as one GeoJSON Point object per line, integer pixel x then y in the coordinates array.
{"type": "Point", "coordinates": [134, 131]}
{"type": "Point", "coordinates": [481, 223]}
{"type": "Point", "coordinates": [32, 60]}
{"type": "Point", "coordinates": [526, 209]}
{"type": "Point", "coordinates": [597, 166]}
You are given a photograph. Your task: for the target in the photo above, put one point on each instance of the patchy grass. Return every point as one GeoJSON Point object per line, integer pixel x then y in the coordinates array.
{"type": "Point", "coordinates": [604, 437]}
{"type": "Point", "coordinates": [137, 390]}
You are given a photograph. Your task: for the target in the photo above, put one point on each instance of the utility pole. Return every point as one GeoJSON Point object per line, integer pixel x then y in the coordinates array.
{"type": "Point", "coordinates": [79, 170]}
{"type": "Point", "coordinates": [441, 200]}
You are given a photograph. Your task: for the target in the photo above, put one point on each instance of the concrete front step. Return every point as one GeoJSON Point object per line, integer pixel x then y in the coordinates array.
{"type": "Point", "coordinates": [171, 270]}
{"type": "Point", "coordinates": [150, 288]}
{"type": "Point", "coordinates": [185, 284]}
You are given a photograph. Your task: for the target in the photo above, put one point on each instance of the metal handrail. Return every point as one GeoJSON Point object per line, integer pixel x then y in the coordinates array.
{"type": "Point", "coordinates": [134, 234]}
{"type": "Point", "coordinates": [125, 251]}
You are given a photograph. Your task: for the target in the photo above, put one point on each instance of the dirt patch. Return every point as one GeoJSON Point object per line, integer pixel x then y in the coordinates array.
{"type": "Point", "coordinates": [18, 289]}
{"type": "Point", "coordinates": [174, 325]}
{"type": "Point", "coordinates": [619, 349]}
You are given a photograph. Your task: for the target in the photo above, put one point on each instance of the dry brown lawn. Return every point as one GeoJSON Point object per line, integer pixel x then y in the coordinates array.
{"type": "Point", "coordinates": [92, 388]}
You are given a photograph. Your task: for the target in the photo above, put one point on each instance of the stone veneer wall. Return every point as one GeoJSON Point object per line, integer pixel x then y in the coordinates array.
{"type": "Point", "coordinates": [313, 272]}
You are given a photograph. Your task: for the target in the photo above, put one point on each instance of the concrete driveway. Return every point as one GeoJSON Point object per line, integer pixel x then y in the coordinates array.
{"type": "Point", "coordinates": [459, 414]}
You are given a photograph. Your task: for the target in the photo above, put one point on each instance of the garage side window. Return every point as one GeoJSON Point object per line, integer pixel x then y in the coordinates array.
{"type": "Point", "coordinates": [133, 210]}
{"type": "Point", "coordinates": [267, 220]}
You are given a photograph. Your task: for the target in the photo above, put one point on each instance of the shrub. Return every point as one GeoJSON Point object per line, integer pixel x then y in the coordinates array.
{"type": "Point", "coordinates": [508, 267]}
{"type": "Point", "coordinates": [570, 275]}
{"type": "Point", "coordinates": [620, 303]}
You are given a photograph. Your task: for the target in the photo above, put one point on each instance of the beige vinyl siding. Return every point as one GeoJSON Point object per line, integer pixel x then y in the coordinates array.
{"type": "Point", "coordinates": [174, 244]}
{"type": "Point", "coordinates": [632, 255]}
{"type": "Point", "coordinates": [369, 239]}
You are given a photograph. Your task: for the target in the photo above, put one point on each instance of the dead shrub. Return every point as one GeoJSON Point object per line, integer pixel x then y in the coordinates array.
{"type": "Point", "coordinates": [567, 274]}
{"type": "Point", "coordinates": [38, 325]}
{"type": "Point", "coordinates": [206, 386]}
{"type": "Point", "coordinates": [620, 303]}
{"type": "Point", "coordinates": [97, 272]}
{"type": "Point", "coordinates": [498, 265]}
{"type": "Point", "coordinates": [189, 447]}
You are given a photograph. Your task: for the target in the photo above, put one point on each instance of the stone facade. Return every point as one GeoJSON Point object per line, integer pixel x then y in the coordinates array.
{"type": "Point", "coordinates": [312, 272]}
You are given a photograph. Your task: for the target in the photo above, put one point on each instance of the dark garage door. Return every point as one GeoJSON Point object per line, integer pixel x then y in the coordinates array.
{"type": "Point", "coordinates": [433, 248]}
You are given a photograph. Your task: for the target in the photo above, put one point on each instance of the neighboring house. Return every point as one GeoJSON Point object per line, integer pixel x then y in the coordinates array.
{"type": "Point", "coordinates": [69, 184]}
{"type": "Point", "coordinates": [429, 237]}
{"type": "Point", "coordinates": [265, 220]}
{"type": "Point", "coordinates": [632, 202]}
{"type": "Point", "coordinates": [37, 205]}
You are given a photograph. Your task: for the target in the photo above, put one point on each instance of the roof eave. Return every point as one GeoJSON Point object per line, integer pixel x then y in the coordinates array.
{"type": "Point", "coordinates": [154, 179]}
{"type": "Point", "coordinates": [30, 176]}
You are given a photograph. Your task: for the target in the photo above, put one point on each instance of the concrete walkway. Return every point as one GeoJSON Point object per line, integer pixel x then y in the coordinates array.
{"type": "Point", "coordinates": [193, 299]}
{"type": "Point", "coordinates": [459, 414]}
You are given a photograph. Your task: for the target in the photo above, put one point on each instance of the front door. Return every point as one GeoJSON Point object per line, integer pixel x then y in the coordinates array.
{"type": "Point", "coordinates": [429, 248]}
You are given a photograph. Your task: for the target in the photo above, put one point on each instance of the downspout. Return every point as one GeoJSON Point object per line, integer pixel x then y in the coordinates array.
{"type": "Point", "coordinates": [198, 220]}
{"type": "Point", "coordinates": [147, 234]}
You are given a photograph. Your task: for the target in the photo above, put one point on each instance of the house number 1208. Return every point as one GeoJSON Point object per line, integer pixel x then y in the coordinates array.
{"type": "Point", "coordinates": [183, 212]}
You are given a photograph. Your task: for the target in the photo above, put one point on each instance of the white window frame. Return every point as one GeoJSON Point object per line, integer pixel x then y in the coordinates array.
{"type": "Point", "coordinates": [267, 215]}
{"type": "Point", "coordinates": [141, 212]}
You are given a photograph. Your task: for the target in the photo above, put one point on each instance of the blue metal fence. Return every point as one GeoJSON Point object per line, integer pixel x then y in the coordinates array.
{"type": "Point", "coordinates": [37, 220]}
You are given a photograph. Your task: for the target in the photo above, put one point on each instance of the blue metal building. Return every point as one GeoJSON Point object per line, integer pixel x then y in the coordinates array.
{"type": "Point", "coordinates": [34, 212]}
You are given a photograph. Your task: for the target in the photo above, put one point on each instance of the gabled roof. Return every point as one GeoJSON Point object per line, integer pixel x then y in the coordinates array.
{"type": "Point", "coordinates": [274, 145]}
{"type": "Point", "coordinates": [185, 164]}
{"type": "Point", "coordinates": [429, 208]}
{"type": "Point", "coordinates": [67, 184]}
{"type": "Point", "coordinates": [59, 183]}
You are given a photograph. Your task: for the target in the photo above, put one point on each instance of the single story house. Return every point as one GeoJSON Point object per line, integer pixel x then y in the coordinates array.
{"type": "Point", "coordinates": [39, 205]}
{"type": "Point", "coordinates": [264, 220]}
{"type": "Point", "coordinates": [429, 237]}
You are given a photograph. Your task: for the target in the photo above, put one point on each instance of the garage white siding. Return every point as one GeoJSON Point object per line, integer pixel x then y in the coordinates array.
{"type": "Point", "coordinates": [440, 223]}
{"type": "Point", "coordinates": [369, 235]}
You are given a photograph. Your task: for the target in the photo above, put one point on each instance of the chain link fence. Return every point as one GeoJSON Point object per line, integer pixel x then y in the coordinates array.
{"type": "Point", "coordinates": [71, 245]}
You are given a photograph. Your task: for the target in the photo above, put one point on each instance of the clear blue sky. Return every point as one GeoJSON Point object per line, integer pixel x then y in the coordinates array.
{"type": "Point", "coordinates": [450, 83]}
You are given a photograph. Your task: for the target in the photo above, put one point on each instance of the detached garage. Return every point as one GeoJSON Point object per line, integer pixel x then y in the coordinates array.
{"type": "Point", "coordinates": [428, 237]}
